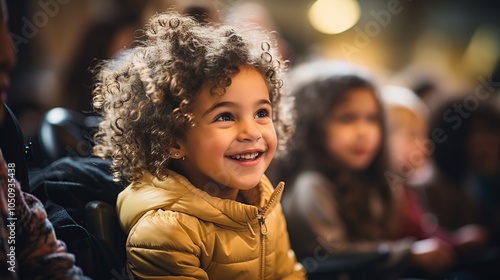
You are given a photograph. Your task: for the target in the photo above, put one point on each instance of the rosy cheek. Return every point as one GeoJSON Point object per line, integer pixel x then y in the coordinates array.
{"type": "Point", "coordinates": [272, 136]}
{"type": "Point", "coordinates": [269, 134]}
{"type": "Point", "coordinates": [216, 147]}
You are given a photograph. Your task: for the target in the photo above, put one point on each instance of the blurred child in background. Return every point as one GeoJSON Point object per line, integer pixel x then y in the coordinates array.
{"type": "Point", "coordinates": [340, 201]}
{"type": "Point", "coordinates": [411, 171]}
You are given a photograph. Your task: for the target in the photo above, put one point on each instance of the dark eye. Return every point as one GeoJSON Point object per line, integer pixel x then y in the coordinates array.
{"type": "Point", "coordinates": [224, 117]}
{"type": "Point", "coordinates": [263, 113]}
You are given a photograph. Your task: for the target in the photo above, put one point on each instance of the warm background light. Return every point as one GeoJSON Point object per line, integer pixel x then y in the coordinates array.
{"type": "Point", "coordinates": [334, 16]}
{"type": "Point", "coordinates": [481, 55]}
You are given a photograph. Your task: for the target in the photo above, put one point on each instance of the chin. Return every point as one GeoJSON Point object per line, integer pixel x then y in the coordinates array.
{"type": "Point", "coordinates": [360, 166]}
{"type": "Point", "coordinates": [243, 184]}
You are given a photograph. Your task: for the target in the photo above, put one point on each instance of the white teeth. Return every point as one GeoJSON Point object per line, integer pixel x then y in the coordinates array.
{"type": "Point", "coordinates": [246, 156]}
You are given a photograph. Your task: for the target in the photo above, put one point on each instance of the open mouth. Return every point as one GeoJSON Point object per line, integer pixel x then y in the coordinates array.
{"type": "Point", "coordinates": [246, 157]}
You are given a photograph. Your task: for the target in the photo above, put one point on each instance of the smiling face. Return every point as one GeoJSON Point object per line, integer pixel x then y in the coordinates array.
{"type": "Point", "coordinates": [353, 130]}
{"type": "Point", "coordinates": [233, 140]}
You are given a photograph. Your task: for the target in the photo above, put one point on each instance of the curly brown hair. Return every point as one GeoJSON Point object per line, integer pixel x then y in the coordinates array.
{"type": "Point", "coordinates": [144, 97]}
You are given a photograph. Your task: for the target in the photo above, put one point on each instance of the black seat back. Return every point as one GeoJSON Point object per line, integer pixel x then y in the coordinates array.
{"type": "Point", "coordinates": [13, 147]}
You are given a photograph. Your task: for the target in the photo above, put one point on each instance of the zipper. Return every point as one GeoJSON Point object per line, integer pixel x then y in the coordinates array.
{"type": "Point", "coordinates": [263, 226]}
{"type": "Point", "coordinates": [274, 196]}
{"type": "Point", "coordinates": [263, 233]}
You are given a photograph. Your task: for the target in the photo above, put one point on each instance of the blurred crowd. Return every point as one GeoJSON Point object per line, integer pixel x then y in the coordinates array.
{"type": "Point", "coordinates": [392, 161]}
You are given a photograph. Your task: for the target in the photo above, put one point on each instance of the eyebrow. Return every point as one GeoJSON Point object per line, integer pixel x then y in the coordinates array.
{"type": "Point", "coordinates": [232, 104]}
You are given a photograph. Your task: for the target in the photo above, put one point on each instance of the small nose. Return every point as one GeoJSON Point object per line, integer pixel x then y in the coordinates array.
{"type": "Point", "coordinates": [362, 128]}
{"type": "Point", "coordinates": [249, 131]}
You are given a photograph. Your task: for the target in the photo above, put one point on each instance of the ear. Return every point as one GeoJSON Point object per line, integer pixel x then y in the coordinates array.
{"type": "Point", "coordinates": [176, 152]}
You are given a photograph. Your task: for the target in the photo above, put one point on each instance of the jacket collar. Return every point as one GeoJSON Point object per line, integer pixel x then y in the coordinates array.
{"type": "Point", "coordinates": [176, 193]}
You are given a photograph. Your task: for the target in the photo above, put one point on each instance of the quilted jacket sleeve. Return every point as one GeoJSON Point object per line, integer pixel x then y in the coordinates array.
{"type": "Point", "coordinates": [159, 246]}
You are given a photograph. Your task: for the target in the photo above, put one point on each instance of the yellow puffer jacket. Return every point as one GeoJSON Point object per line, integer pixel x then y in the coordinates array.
{"type": "Point", "coordinates": [175, 229]}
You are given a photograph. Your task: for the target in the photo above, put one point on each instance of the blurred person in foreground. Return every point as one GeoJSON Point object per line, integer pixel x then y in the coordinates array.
{"type": "Point", "coordinates": [29, 248]}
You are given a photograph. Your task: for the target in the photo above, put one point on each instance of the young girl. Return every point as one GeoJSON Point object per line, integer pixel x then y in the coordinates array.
{"type": "Point", "coordinates": [188, 120]}
{"type": "Point", "coordinates": [340, 202]}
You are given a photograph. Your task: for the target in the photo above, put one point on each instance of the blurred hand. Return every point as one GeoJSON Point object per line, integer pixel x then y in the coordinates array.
{"type": "Point", "coordinates": [470, 237]}
{"type": "Point", "coordinates": [433, 255]}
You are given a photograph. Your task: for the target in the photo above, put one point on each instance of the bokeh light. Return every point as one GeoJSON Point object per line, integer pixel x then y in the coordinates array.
{"type": "Point", "coordinates": [334, 16]}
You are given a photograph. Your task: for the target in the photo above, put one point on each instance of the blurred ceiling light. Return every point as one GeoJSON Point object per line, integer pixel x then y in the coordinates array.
{"type": "Point", "coordinates": [334, 16]}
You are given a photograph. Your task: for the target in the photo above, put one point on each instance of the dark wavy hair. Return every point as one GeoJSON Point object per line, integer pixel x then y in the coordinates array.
{"type": "Point", "coordinates": [145, 96]}
{"type": "Point", "coordinates": [315, 98]}
{"type": "Point", "coordinates": [450, 155]}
